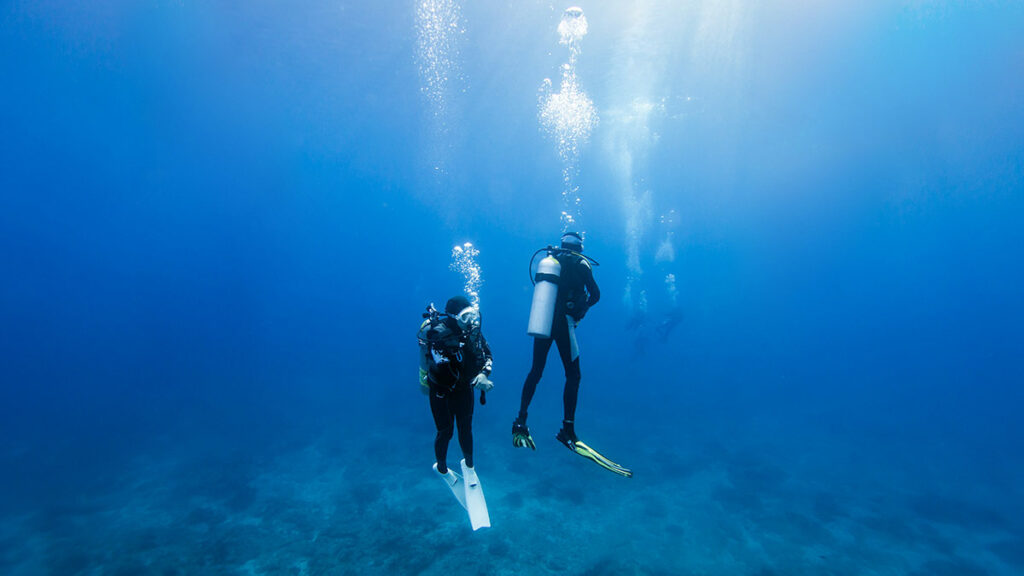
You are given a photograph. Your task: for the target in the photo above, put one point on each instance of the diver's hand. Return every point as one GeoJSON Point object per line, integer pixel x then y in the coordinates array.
{"type": "Point", "coordinates": [482, 383]}
{"type": "Point", "coordinates": [424, 383]}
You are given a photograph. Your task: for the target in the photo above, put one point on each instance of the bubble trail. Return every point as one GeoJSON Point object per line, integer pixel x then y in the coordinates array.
{"type": "Point", "coordinates": [568, 116]}
{"type": "Point", "coordinates": [666, 250]}
{"type": "Point", "coordinates": [672, 291]}
{"type": "Point", "coordinates": [437, 38]}
{"type": "Point", "coordinates": [464, 262]}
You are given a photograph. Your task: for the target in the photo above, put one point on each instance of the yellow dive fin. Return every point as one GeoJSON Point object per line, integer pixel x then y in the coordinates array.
{"type": "Point", "coordinates": [580, 447]}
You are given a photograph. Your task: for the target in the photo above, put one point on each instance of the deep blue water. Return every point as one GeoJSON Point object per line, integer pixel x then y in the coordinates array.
{"type": "Point", "coordinates": [219, 224]}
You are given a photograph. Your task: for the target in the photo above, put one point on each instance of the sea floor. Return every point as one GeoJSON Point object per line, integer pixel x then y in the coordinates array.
{"type": "Point", "coordinates": [703, 501]}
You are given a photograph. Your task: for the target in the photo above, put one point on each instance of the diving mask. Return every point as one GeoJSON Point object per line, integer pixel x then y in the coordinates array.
{"type": "Point", "coordinates": [468, 318]}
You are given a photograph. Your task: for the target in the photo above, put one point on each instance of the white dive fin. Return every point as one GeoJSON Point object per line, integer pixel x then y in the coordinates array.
{"type": "Point", "coordinates": [475, 503]}
{"type": "Point", "coordinates": [454, 482]}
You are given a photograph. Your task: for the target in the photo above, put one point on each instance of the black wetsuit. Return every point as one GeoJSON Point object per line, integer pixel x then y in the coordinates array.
{"type": "Point", "coordinates": [451, 395]}
{"type": "Point", "coordinates": [577, 292]}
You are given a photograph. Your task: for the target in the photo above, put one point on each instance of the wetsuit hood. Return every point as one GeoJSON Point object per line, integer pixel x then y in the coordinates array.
{"type": "Point", "coordinates": [456, 304]}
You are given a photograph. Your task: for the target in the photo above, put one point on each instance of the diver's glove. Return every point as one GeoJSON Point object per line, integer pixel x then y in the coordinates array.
{"type": "Point", "coordinates": [424, 383]}
{"type": "Point", "coordinates": [521, 436]}
{"type": "Point", "coordinates": [482, 383]}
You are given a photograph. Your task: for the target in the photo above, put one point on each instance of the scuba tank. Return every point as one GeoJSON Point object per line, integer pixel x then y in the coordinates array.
{"type": "Point", "coordinates": [545, 292]}
{"type": "Point", "coordinates": [545, 289]}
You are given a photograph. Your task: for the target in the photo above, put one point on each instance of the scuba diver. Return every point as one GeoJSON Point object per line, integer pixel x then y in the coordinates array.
{"type": "Point", "coordinates": [639, 325]}
{"type": "Point", "coordinates": [564, 290]}
{"type": "Point", "coordinates": [668, 322]}
{"type": "Point", "coordinates": [454, 359]}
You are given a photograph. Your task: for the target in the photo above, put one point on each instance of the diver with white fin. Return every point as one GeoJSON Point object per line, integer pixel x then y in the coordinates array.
{"type": "Point", "coordinates": [454, 359]}
{"type": "Point", "coordinates": [564, 290]}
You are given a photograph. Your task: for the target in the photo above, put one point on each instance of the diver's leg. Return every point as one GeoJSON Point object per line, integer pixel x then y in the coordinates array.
{"type": "Point", "coordinates": [541, 346]}
{"type": "Point", "coordinates": [571, 364]}
{"type": "Point", "coordinates": [444, 421]}
{"type": "Point", "coordinates": [462, 406]}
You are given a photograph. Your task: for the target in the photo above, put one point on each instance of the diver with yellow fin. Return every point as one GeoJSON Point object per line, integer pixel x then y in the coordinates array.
{"type": "Point", "coordinates": [564, 289]}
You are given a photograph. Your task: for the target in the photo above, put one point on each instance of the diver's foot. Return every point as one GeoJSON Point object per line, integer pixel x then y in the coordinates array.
{"type": "Point", "coordinates": [567, 438]}
{"type": "Point", "coordinates": [450, 477]}
{"type": "Point", "coordinates": [469, 474]}
{"type": "Point", "coordinates": [521, 436]}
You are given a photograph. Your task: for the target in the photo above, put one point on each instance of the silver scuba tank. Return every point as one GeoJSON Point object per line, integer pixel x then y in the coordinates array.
{"type": "Point", "coordinates": [545, 291]}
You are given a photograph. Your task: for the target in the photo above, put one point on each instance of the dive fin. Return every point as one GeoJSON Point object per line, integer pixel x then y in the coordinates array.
{"type": "Point", "coordinates": [599, 459]}
{"type": "Point", "coordinates": [475, 503]}
{"type": "Point", "coordinates": [581, 448]}
{"type": "Point", "coordinates": [454, 483]}
{"type": "Point", "coordinates": [521, 436]}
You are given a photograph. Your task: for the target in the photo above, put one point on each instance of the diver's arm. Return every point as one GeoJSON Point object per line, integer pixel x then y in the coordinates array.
{"type": "Point", "coordinates": [481, 381]}
{"type": "Point", "coordinates": [424, 354]}
{"type": "Point", "coordinates": [424, 373]}
{"type": "Point", "coordinates": [593, 292]}
{"type": "Point", "coordinates": [487, 355]}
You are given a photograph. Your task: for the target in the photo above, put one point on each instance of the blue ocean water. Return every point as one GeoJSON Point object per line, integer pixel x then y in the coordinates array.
{"type": "Point", "coordinates": [220, 222]}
